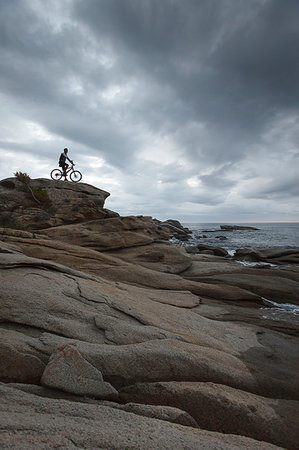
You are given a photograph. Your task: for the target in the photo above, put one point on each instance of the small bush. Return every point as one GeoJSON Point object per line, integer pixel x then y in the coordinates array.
{"type": "Point", "coordinates": [42, 196]}
{"type": "Point", "coordinates": [39, 195]}
{"type": "Point", "coordinates": [23, 177]}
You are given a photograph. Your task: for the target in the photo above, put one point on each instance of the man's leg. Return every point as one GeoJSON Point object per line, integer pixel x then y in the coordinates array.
{"type": "Point", "coordinates": [64, 170]}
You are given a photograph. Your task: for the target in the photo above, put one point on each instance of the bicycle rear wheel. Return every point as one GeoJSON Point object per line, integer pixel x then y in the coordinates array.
{"type": "Point", "coordinates": [56, 174]}
{"type": "Point", "coordinates": [75, 176]}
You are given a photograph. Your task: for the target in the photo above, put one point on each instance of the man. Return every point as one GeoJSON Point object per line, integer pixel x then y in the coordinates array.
{"type": "Point", "coordinates": [62, 161]}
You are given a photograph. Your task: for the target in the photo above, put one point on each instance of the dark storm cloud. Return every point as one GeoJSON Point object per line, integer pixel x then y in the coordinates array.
{"type": "Point", "coordinates": [231, 65]}
{"type": "Point", "coordinates": [230, 52]}
{"type": "Point", "coordinates": [37, 66]}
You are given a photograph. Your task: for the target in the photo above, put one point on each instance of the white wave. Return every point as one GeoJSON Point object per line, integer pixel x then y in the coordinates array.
{"type": "Point", "coordinates": [255, 263]}
{"type": "Point", "coordinates": [281, 307]}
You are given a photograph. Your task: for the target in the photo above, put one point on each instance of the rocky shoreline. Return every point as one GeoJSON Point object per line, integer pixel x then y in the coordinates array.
{"type": "Point", "coordinates": [106, 325]}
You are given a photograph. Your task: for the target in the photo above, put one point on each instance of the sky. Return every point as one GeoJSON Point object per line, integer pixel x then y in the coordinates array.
{"type": "Point", "coordinates": [182, 109]}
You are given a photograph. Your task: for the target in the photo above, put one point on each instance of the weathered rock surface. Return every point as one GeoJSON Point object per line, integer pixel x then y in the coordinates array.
{"type": "Point", "coordinates": [160, 257]}
{"type": "Point", "coordinates": [113, 268]}
{"type": "Point", "coordinates": [279, 284]}
{"type": "Point", "coordinates": [218, 251]}
{"type": "Point", "coordinates": [167, 413]}
{"type": "Point", "coordinates": [270, 255]}
{"type": "Point", "coordinates": [110, 233]}
{"type": "Point", "coordinates": [105, 304]}
{"type": "Point", "coordinates": [28, 421]}
{"type": "Point", "coordinates": [71, 203]}
{"type": "Point", "coordinates": [176, 229]}
{"type": "Point", "coordinates": [69, 371]}
{"type": "Point", "coordinates": [228, 410]}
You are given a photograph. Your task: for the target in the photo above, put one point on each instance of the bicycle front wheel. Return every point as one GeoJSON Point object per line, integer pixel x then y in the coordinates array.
{"type": "Point", "coordinates": [56, 174]}
{"type": "Point", "coordinates": [75, 176]}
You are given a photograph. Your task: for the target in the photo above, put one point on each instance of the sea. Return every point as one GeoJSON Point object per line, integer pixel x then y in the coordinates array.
{"type": "Point", "coordinates": [270, 234]}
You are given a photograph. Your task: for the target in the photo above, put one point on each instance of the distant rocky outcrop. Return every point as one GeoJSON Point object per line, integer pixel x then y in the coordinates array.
{"type": "Point", "coordinates": [113, 337]}
{"type": "Point", "coordinates": [236, 227]}
{"type": "Point", "coordinates": [232, 228]}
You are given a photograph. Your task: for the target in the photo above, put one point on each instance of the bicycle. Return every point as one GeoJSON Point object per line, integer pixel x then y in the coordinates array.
{"type": "Point", "coordinates": [74, 175]}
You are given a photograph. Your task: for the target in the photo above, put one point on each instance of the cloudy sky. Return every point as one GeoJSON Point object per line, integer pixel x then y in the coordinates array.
{"type": "Point", "coordinates": [184, 109]}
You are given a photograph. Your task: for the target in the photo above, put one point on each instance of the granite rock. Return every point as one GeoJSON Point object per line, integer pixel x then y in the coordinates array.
{"type": "Point", "coordinates": [69, 371]}
{"type": "Point", "coordinates": [29, 421]}
{"type": "Point", "coordinates": [224, 409]}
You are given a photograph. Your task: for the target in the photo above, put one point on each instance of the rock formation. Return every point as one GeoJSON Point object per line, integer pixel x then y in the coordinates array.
{"type": "Point", "coordinates": [269, 255]}
{"type": "Point", "coordinates": [236, 227]}
{"type": "Point", "coordinates": [107, 326]}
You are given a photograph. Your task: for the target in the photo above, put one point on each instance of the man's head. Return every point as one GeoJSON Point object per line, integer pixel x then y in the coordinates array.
{"type": "Point", "coordinates": [65, 150]}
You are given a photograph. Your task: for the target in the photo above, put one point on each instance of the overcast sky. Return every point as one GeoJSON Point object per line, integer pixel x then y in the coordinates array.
{"type": "Point", "coordinates": [183, 109]}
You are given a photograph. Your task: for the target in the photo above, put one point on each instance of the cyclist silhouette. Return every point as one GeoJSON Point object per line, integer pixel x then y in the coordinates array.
{"type": "Point", "coordinates": [62, 161]}
{"type": "Point", "coordinates": [65, 170]}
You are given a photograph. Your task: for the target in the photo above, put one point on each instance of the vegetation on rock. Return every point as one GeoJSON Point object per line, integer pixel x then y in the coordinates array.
{"type": "Point", "coordinates": [41, 196]}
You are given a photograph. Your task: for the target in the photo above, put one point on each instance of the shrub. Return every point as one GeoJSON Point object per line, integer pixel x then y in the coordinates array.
{"type": "Point", "coordinates": [39, 195]}
{"type": "Point", "coordinates": [42, 196]}
{"type": "Point", "coordinates": [23, 177]}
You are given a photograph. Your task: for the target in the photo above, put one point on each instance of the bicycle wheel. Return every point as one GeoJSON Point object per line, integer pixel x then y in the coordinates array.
{"type": "Point", "coordinates": [56, 174]}
{"type": "Point", "coordinates": [75, 176]}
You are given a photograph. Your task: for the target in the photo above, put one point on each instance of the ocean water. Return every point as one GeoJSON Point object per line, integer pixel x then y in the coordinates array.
{"type": "Point", "coordinates": [274, 234]}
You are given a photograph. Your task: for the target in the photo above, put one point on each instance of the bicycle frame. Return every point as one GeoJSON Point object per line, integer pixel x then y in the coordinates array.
{"type": "Point", "coordinates": [74, 175]}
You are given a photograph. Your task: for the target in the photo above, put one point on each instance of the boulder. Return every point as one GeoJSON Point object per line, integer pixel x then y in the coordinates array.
{"type": "Point", "coordinates": [176, 229]}
{"type": "Point", "coordinates": [278, 284]}
{"type": "Point", "coordinates": [271, 255]}
{"type": "Point", "coordinates": [218, 251]}
{"type": "Point", "coordinates": [68, 203]}
{"type": "Point", "coordinates": [191, 249]}
{"type": "Point", "coordinates": [161, 257]}
{"type": "Point", "coordinates": [69, 371]}
{"type": "Point", "coordinates": [224, 409]}
{"type": "Point", "coordinates": [163, 360]}
{"type": "Point", "coordinates": [20, 361]}
{"type": "Point", "coordinates": [268, 283]}
{"type": "Point", "coordinates": [176, 224]}
{"type": "Point", "coordinates": [207, 252]}
{"type": "Point", "coordinates": [204, 264]}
